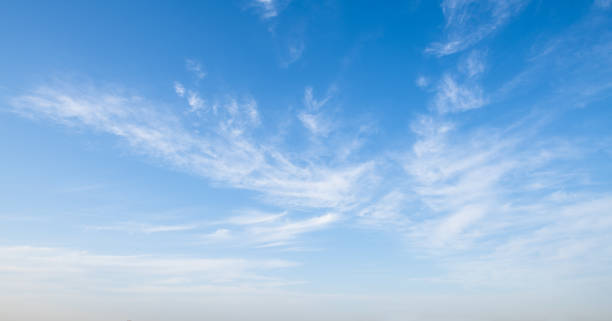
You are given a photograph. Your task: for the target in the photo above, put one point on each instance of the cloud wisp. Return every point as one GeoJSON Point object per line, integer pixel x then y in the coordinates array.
{"type": "Point", "coordinates": [453, 97]}
{"type": "Point", "coordinates": [268, 9]}
{"type": "Point", "coordinates": [26, 266]}
{"type": "Point", "coordinates": [468, 22]}
{"type": "Point", "coordinates": [144, 228]}
{"type": "Point", "coordinates": [195, 67]}
{"type": "Point", "coordinates": [226, 152]}
{"type": "Point", "coordinates": [266, 230]}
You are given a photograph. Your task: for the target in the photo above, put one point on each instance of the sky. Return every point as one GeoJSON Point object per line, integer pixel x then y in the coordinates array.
{"type": "Point", "coordinates": [306, 160]}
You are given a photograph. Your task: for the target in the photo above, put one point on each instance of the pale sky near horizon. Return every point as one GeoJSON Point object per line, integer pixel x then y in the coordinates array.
{"type": "Point", "coordinates": [306, 160]}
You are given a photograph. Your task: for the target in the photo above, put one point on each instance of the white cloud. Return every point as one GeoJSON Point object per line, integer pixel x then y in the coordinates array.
{"type": "Point", "coordinates": [469, 21]}
{"type": "Point", "coordinates": [422, 82]}
{"type": "Point", "coordinates": [179, 89]}
{"type": "Point", "coordinates": [144, 228]}
{"type": "Point", "coordinates": [311, 103]}
{"type": "Point", "coordinates": [453, 97]}
{"type": "Point", "coordinates": [295, 51]}
{"type": "Point", "coordinates": [287, 231]}
{"type": "Point", "coordinates": [268, 230]}
{"type": "Point", "coordinates": [455, 224]}
{"type": "Point", "coordinates": [457, 181]}
{"type": "Point", "coordinates": [473, 65]}
{"type": "Point", "coordinates": [254, 218]}
{"type": "Point", "coordinates": [225, 152]}
{"type": "Point", "coordinates": [195, 67]}
{"type": "Point", "coordinates": [218, 235]}
{"type": "Point", "coordinates": [26, 266]}
{"type": "Point", "coordinates": [479, 216]}
{"type": "Point", "coordinates": [315, 123]}
{"type": "Point", "coordinates": [195, 102]}
{"type": "Point", "coordinates": [388, 211]}
{"type": "Point", "coordinates": [556, 245]}
{"type": "Point", "coordinates": [249, 228]}
{"type": "Point", "coordinates": [312, 118]}
{"type": "Point", "coordinates": [267, 8]}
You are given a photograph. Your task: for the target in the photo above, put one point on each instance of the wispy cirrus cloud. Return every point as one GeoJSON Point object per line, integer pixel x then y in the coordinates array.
{"type": "Point", "coordinates": [267, 230]}
{"type": "Point", "coordinates": [195, 102]}
{"type": "Point", "coordinates": [280, 234]}
{"type": "Point", "coordinates": [131, 227]}
{"type": "Point", "coordinates": [294, 53]}
{"type": "Point", "coordinates": [460, 91]}
{"type": "Point", "coordinates": [313, 118]}
{"type": "Point", "coordinates": [473, 65]}
{"type": "Point", "coordinates": [495, 197]}
{"type": "Point", "coordinates": [195, 67]}
{"type": "Point", "coordinates": [179, 89]}
{"type": "Point", "coordinates": [556, 248]}
{"type": "Point", "coordinates": [506, 206]}
{"type": "Point", "coordinates": [389, 210]}
{"type": "Point", "coordinates": [468, 192]}
{"type": "Point", "coordinates": [224, 150]}
{"type": "Point", "coordinates": [462, 178]}
{"type": "Point", "coordinates": [454, 97]}
{"type": "Point", "coordinates": [422, 81]}
{"type": "Point", "coordinates": [26, 266]}
{"type": "Point", "coordinates": [469, 21]}
{"type": "Point", "coordinates": [249, 228]}
{"type": "Point", "coordinates": [268, 9]}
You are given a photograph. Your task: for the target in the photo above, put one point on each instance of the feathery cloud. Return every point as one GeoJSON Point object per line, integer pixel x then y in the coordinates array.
{"type": "Point", "coordinates": [24, 266]}
{"type": "Point", "coordinates": [144, 228]}
{"type": "Point", "coordinates": [225, 152]}
{"type": "Point", "coordinates": [268, 8]}
{"type": "Point", "coordinates": [195, 67]}
{"type": "Point", "coordinates": [295, 51]}
{"type": "Point", "coordinates": [452, 97]}
{"type": "Point", "coordinates": [268, 230]}
{"type": "Point", "coordinates": [469, 21]}
{"type": "Point", "coordinates": [312, 118]}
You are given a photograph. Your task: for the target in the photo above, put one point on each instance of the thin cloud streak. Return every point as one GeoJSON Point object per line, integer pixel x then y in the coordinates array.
{"type": "Point", "coordinates": [267, 230]}
{"type": "Point", "coordinates": [26, 266]}
{"type": "Point", "coordinates": [469, 22]}
{"type": "Point", "coordinates": [226, 153]}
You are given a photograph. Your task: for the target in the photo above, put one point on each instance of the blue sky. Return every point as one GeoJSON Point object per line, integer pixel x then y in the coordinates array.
{"type": "Point", "coordinates": [334, 160]}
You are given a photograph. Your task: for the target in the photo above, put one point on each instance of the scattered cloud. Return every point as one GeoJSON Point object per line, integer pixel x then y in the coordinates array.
{"type": "Point", "coordinates": [295, 52]}
{"type": "Point", "coordinates": [422, 82]}
{"type": "Point", "coordinates": [388, 211]}
{"type": "Point", "coordinates": [144, 228]}
{"type": "Point", "coordinates": [195, 102]}
{"type": "Point", "coordinates": [179, 89]}
{"type": "Point", "coordinates": [268, 9]}
{"type": "Point", "coordinates": [492, 200]}
{"type": "Point", "coordinates": [490, 194]}
{"type": "Point", "coordinates": [218, 235]}
{"type": "Point", "coordinates": [224, 151]}
{"type": "Point", "coordinates": [268, 230]}
{"type": "Point", "coordinates": [280, 234]}
{"type": "Point", "coordinates": [473, 65]}
{"type": "Point", "coordinates": [315, 123]}
{"type": "Point", "coordinates": [452, 97]}
{"type": "Point", "coordinates": [468, 22]}
{"type": "Point", "coordinates": [312, 118]}
{"type": "Point", "coordinates": [195, 67]}
{"type": "Point", "coordinates": [251, 218]}
{"type": "Point", "coordinates": [27, 266]}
